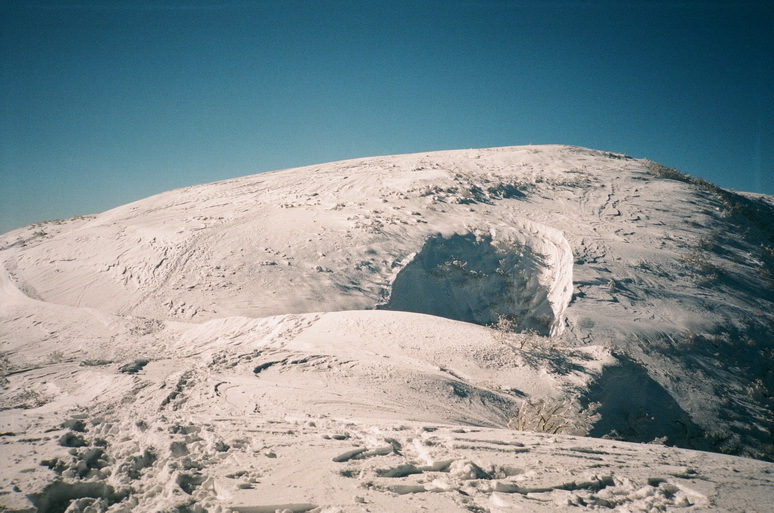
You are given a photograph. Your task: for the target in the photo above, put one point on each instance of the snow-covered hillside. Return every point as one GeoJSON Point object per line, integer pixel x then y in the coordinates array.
{"type": "Point", "coordinates": [360, 335]}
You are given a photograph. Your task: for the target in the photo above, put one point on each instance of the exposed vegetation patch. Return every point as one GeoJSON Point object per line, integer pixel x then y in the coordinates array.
{"type": "Point", "coordinates": [555, 416]}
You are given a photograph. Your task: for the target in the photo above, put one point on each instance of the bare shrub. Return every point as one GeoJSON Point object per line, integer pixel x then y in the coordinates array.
{"type": "Point", "coordinates": [704, 270]}
{"type": "Point", "coordinates": [662, 171]}
{"type": "Point", "coordinates": [5, 369]}
{"type": "Point", "coordinates": [506, 331]}
{"type": "Point", "coordinates": [504, 328]}
{"type": "Point", "coordinates": [555, 416]}
{"type": "Point", "coordinates": [25, 400]}
{"type": "Point", "coordinates": [55, 357]}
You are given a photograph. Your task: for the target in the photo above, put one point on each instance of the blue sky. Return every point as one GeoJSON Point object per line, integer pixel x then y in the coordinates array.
{"type": "Point", "coordinates": [108, 101]}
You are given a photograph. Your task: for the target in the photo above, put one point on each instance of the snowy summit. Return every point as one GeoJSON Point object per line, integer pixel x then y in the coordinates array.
{"type": "Point", "coordinates": [535, 328]}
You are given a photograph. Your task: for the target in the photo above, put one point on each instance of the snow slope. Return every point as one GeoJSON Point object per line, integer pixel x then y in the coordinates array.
{"type": "Point", "coordinates": [319, 339]}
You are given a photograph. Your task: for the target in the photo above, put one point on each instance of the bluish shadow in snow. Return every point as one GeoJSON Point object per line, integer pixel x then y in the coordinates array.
{"type": "Point", "coordinates": [635, 408]}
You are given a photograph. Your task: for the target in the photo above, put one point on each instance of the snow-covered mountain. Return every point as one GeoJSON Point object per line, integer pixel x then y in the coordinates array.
{"type": "Point", "coordinates": [432, 331]}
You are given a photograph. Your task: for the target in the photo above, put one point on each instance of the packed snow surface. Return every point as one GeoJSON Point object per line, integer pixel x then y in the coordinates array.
{"type": "Point", "coordinates": [435, 332]}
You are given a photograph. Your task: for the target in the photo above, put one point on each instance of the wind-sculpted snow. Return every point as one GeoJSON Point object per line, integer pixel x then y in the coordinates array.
{"type": "Point", "coordinates": [368, 334]}
{"type": "Point", "coordinates": [467, 278]}
{"type": "Point", "coordinates": [523, 275]}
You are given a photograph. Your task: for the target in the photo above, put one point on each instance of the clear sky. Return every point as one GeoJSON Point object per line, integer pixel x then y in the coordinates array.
{"type": "Point", "coordinates": [109, 101]}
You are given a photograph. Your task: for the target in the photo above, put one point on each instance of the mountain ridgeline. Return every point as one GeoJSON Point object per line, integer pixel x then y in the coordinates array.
{"type": "Point", "coordinates": [478, 288]}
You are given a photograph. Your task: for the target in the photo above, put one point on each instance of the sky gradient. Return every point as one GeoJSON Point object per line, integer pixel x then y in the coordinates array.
{"type": "Point", "coordinates": [103, 102]}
